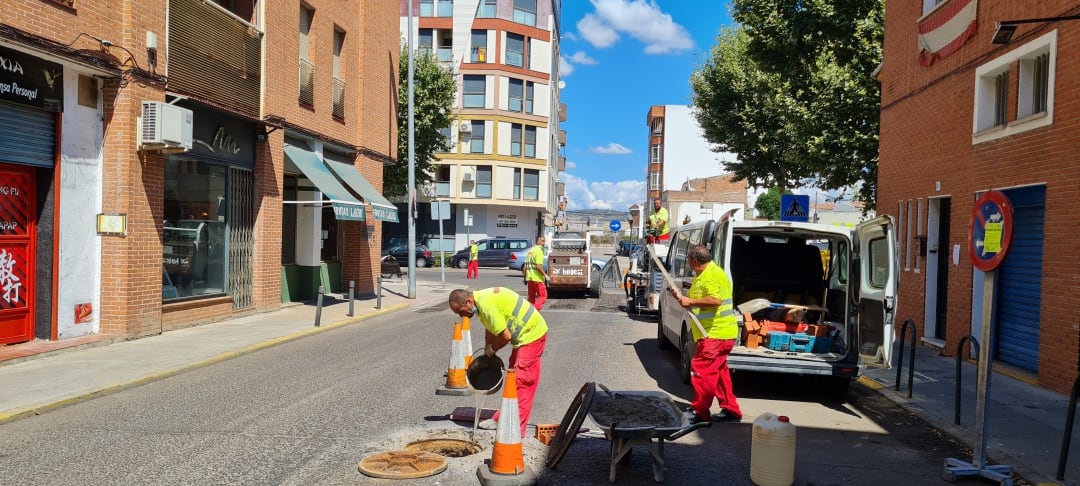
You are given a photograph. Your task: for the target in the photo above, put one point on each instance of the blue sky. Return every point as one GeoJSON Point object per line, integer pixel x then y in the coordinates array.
{"type": "Point", "coordinates": [619, 58]}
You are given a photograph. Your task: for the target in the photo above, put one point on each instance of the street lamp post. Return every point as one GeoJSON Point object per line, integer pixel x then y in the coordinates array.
{"type": "Point", "coordinates": [412, 168]}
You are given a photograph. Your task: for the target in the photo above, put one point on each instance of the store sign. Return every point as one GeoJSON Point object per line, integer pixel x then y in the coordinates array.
{"type": "Point", "coordinates": [222, 137]}
{"type": "Point", "coordinates": [506, 221]}
{"type": "Point", "coordinates": [13, 265]}
{"type": "Point", "coordinates": [30, 81]}
{"type": "Point", "coordinates": [348, 212]}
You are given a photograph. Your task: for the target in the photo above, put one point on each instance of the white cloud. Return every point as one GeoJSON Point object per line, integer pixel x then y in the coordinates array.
{"type": "Point", "coordinates": [570, 36]}
{"type": "Point", "coordinates": [618, 196]}
{"type": "Point", "coordinates": [640, 19]}
{"type": "Point", "coordinates": [580, 57]}
{"type": "Point", "coordinates": [570, 165]}
{"type": "Point", "coordinates": [565, 68]}
{"type": "Point", "coordinates": [611, 149]}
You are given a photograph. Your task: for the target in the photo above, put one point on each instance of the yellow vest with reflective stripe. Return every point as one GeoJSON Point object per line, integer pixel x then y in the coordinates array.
{"type": "Point", "coordinates": [474, 253]}
{"type": "Point", "coordinates": [719, 322]}
{"type": "Point", "coordinates": [500, 308]}
{"type": "Point", "coordinates": [534, 262]}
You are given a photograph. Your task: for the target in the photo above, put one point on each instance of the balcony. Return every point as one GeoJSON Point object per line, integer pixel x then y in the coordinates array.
{"type": "Point", "coordinates": [339, 98]}
{"type": "Point", "coordinates": [307, 82]}
{"type": "Point", "coordinates": [562, 164]}
{"type": "Point", "coordinates": [562, 137]}
{"type": "Point", "coordinates": [560, 189]}
{"type": "Point", "coordinates": [446, 54]}
{"type": "Point", "coordinates": [562, 112]}
{"type": "Point", "coordinates": [214, 55]}
{"type": "Point", "coordinates": [442, 188]}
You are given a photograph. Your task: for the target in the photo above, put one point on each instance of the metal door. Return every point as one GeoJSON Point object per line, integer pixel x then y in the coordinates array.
{"type": "Point", "coordinates": [1019, 290]}
{"type": "Point", "coordinates": [18, 208]}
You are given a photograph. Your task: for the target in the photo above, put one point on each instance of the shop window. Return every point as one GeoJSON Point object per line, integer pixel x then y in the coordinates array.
{"type": "Point", "coordinates": [195, 252]}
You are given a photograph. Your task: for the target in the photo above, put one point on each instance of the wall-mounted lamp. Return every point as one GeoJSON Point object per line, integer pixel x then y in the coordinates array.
{"type": "Point", "coordinates": [151, 48]}
{"type": "Point", "coordinates": [1006, 28]}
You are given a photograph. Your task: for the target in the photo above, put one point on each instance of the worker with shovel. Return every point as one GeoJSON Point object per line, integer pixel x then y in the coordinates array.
{"type": "Point", "coordinates": [508, 319]}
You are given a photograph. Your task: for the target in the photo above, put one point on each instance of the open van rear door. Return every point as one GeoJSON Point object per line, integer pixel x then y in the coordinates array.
{"type": "Point", "coordinates": [875, 283]}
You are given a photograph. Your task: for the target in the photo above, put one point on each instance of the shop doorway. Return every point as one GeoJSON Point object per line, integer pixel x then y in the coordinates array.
{"type": "Point", "coordinates": [18, 208]}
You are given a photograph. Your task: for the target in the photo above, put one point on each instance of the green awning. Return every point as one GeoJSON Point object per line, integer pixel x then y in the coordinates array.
{"type": "Point", "coordinates": [346, 207]}
{"type": "Point", "coordinates": [384, 209]}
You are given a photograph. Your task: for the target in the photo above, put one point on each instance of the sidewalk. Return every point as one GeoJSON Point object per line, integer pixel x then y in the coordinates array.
{"type": "Point", "coordinates": [69, 374]}
{"type": "Point", "coordinates": [1025, 423]}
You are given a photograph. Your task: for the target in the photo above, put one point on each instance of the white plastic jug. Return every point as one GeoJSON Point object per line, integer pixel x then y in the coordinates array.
{"type": "Point", "coordinates": [772, 451]}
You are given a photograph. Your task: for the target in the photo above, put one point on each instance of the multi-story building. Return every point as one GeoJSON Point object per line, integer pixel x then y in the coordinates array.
{"type": "Point", "coordinates": [168, 166]}
{"type": "Point", "coordinates": [678, 153]}
{"type": "Point", "coordinates": [500, 174]}
{"type": "Point", "coordinates": [964, 111]}
{"type": "Point", "coordinates": [704, 198]}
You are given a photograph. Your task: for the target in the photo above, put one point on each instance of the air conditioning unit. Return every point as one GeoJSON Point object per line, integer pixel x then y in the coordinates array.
{"type": "Point", "coordinates": [465, 127]}
{"type": "Point", "coordinates": [466, 176]}
{"type": "Point", "coordinates": [165, 127]}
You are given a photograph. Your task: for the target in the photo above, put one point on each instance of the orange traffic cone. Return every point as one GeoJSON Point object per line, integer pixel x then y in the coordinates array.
{"type": "Point", "coordinates": [456, 381]}
{"type": "Point", "coordinates": [466, 339]}
{"type": "Point", "coordinates": [506, 455]}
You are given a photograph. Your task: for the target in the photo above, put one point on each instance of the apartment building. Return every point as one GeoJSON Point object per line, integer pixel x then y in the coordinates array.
{"type": "Point", "coordinates": [965, 110]}
{"type": "Point", "coordinates": [679, 154]}
{"type": "Point", "coordinates": [174, 158]}
{"type": "Point", "coordinates": [500, 174]}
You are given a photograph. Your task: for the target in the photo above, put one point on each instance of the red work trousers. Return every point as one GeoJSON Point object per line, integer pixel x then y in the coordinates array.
{"type": "Point", "coordinates": [525, 361]}
{"type": "Point", "coordinates": [710, 377]}
{"type": "Point", "coordinates": [537, 294]}
{"type": "Point", "coordinates": [473, 270]}
{"type": "Point", "coordinates": [657, 239]}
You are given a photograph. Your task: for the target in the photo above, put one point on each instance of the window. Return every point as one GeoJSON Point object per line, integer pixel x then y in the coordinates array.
{"type": "Point", "coordinates": [517, 183]}
{"type": "Point", "coordinates": [530, 141]}
{"type": "Point", "coordinates": [654, 154]}
{"type": "Point", "coordinates": [483, 181]}
{"type": "Point", "coordinates": [307, 68]}
{"type": "Point", "coordinates": [654, 181]}
{"type": "Point", "coordinates": [425, 45]}
{"type": "Point", "coordinates": [521, 96]}
{"type": "Point", "coordinates": [486, 9]}
{"type": "Point", "coordinates": [476, 142]}
{"type": "Point", "coordinates": [928, 5]}
{"type": "Point", "coordinates": [427, 8]}
{"type": "Point", "coordinates": [442, 181]}
{"type": "Point", "coordinates": [515, 139]}
{"type": "Point", "coordinates": [446, 8]}
{"type": "Point", "coordinates": [445, 132]}
{"type": "Point", "coordinates": [529, 96]}
{"type": "Point", "coordinates": [532, 185]}
{"type": "Point", "coordinates": [339, 81]}
{"type": "Point", "coordinates": [658, 126]}
{"type": "Point", "coordinates": [879, 263]}
{"type": "Point", "coordinates": [479, 46]}
{"type": "Point", "coordinates": [515, 50]}
{"type": "Point", "coordinates": [194, 247]}
{"type": "Point", "coordinates": [525, 12]}
{"type": "Point", "coordinates": [474, 90]}
{"type": "Point", "coordinates": [1034, 96]}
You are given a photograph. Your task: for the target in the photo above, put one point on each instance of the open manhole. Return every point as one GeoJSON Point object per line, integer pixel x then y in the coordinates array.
{"type": "Point", "coordinates": [445, 447]}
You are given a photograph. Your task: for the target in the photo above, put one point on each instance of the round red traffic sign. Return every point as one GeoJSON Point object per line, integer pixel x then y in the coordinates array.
{"type": "Point", "coordinates": [991, 230]}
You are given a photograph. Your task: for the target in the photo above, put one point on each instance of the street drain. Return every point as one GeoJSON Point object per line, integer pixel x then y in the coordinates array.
{"type": "Point", "coordinates": [445, 447]}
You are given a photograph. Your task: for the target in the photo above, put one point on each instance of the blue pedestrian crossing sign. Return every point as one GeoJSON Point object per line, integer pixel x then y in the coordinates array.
{"type": "Point", "coordinates": [615, 225]}
{"type": "Point", "coordinates": [795, 207]}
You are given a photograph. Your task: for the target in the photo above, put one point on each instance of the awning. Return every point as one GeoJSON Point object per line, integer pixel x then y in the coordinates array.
{"type": "Point", "coordinates": [346, 207]}
{"type": "Point", "coordinates": [384, 209]}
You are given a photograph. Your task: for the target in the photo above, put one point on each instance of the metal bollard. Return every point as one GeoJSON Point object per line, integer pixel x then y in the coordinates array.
{"type": "Point", "coordinates": [318, 306]}
{"type": "Point", "coordinates": [378, 293]}
{"type": "Point", "coordinates": [959, 375]}
{"type": "Point", "coordinates": [900, 356]}
{"type": "Point", "coordinates": [352, 292]}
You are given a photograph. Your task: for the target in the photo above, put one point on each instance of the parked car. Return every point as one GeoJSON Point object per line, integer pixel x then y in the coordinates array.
{"type": "Point", "coordinates": [493, 252]}
{"type": "Point", "coordinates": [401, 254]}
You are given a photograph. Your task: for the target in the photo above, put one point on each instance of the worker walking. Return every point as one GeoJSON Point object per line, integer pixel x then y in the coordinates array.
{"type": "Point", "coordinates": [473, 270]}
{"type": "Point", "coordinates": [658, 223]}
{"type": "Point", "coordinates": [710, 299]}
{"type": "Point", "coordinates": [535, 275]}
{"type": "Point", "coordinates": [508, 319]}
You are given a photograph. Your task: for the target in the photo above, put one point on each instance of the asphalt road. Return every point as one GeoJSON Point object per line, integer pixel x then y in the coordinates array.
{"type": "Point", "coordinates": [307, 411]}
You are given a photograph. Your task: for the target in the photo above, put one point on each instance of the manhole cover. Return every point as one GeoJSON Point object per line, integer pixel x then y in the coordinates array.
{"type": "Point", "coordinates": [445, 447]}
{"type": "Point", "coordinates": [402, 464]}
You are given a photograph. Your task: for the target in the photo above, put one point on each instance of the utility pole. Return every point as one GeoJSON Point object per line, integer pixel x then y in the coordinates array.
{"type": "Point", "coordinates": [412, 168]}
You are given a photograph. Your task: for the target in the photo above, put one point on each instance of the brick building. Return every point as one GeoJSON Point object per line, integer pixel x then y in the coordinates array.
{"type": "Point", "coordinates": [706, 198]}
{"type": "Point", "coordinates": [500, 173]}
{"type": "Point", "coordinates": [151, 183]}
{"type": "Point", "coordinates": [961, 115]}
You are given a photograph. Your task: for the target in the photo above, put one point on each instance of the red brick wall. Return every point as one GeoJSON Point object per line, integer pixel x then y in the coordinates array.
{"type": "Point", "coordinates": [926, 136]}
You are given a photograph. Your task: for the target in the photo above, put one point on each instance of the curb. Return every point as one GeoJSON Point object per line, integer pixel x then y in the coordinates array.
{"type": "Point", "coordinates": [22, 412]}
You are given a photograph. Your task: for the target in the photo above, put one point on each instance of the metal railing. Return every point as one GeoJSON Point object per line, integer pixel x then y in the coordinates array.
{"type": "Point", "coordinates": [959, 375]}
{"type": "Point", "coordinates": [307, 82]}
{"type": "Point", "coordinates": [339, 98]}
{"type": "Point", "coordinates": [900, 356]}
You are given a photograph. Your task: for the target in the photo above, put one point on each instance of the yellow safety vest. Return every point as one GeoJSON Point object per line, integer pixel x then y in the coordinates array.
{"type": "Point", "coordinates": [662, 214]}
{"type": "Point", "coordinates": [719, 322]}
{"type": "Point", "coordinates": [474, 252]}
{"type": "Point", "coordinates": [534, 262]}
{"type": "Point", "coordinates": [500, 309]}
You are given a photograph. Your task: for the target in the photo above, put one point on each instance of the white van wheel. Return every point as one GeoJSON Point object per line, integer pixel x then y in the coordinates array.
{"type": "Point", "coordinates": [684, 358]}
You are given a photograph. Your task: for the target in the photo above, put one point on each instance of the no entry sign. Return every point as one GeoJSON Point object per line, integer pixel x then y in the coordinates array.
{"type": "Point", "coordinates": [991, 230]}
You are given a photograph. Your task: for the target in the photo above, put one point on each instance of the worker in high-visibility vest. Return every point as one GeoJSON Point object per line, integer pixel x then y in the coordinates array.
{"type": "Point", "coordinates": [535, 275]}
{"type": "Point", "coordinates": [474, 261]}
{"type": "Point", "coordinates": [710, 299]}
{"type": "Point", "coordinates": [508, 319]}
{"type": "Point", "coordinates": [658, 223]}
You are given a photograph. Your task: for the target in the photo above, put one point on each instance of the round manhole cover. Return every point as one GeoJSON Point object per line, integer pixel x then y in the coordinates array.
{"type": "Point", "coordinates": [402, 464]}
{"type": "Point", "coordinates": [445, 447]}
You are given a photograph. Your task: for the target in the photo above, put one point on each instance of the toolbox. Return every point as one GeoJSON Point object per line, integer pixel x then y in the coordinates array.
{"type": "Point", "coordinates": [801, 343]}
{"type": "Point", "coordinates": [779, 340]}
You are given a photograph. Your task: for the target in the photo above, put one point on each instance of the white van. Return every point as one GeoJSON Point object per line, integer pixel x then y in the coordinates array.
{"type": "Point", "coordinates": [840, 282]}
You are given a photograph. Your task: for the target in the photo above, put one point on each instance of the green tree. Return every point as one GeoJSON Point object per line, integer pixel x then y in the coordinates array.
{"type": "Point", "coordinates": [791, 91]}
{"type": "Point", "coordinates": [433, 98]}
{"type": "Point", "coordinates": [768, 204]}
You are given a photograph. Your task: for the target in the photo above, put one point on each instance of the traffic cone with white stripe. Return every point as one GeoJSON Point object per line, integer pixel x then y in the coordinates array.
{"type": "Point", "coordinates": [456, 381]}
{"type": "Point", "coordinates": [507, 458]}
{"type": "Point", "coordinates": [466, 339]}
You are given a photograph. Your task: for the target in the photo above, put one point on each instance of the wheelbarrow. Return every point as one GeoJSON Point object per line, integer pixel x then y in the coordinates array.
{"type": "Point", "coordinates": [639, 418]}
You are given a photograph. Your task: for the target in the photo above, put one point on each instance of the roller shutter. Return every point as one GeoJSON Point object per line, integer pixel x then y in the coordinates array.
{"type": "Point", "coordinates": [1019, 284]}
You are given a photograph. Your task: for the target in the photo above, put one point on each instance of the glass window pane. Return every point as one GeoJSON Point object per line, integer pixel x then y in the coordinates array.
{"type": "Point", "coordinates": [515, 148]}
{"type": "Point", "coordinates": [446, 8]}
{"type": "Point", "coordinates": [427, 8]}
{"type": "Point", "coordinates": [194, 246]}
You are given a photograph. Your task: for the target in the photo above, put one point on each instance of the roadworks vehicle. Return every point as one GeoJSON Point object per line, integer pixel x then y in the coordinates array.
{"type": "Point", "coordinates": [569, 256]}
{"type": "Point", "coordinates": [799, 313]}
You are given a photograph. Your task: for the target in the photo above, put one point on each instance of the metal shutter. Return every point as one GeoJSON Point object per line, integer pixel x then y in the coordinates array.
{"type": "Point", "coordinates": [29, 137]}
{"type": "Point", "coordinates": [1020, 281]}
